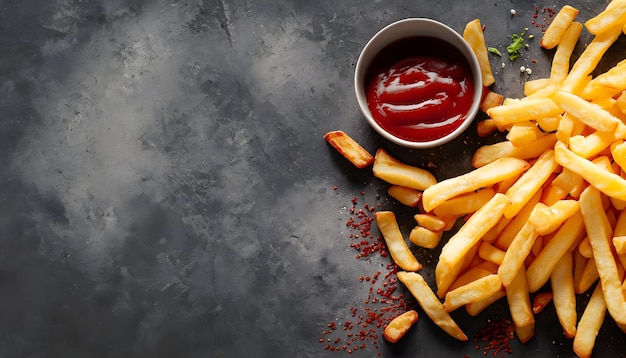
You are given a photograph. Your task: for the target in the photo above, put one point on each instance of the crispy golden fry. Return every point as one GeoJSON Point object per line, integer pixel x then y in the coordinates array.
{"type": "Point", "coordinates": [398, 326]}
{"type": "Point", "coordinates": [556, 31]}
{"type": "Point", "coordinates": [549, 124]}
{"type": "Point", "coordinates": [474, 291]}
{"type": "Point", "coordinates": [388, 226]}
{"type": "Point", "coordinates": [430, 303]}
{"type": "Point", "coordinates": [592, 144]}
{"type": "Point", "coordinates": [609, 183]}
{"type": "Point", "coordinates": [547, 219]}
{"type": "Point", "coordinates": [431, 222]}
{"type": "Point", "coordinates": [619, 242]}
{"type": "Point", "coordinates": [518, 297]}
{"type": "Point", "coordinates": [453, 252]}
{"type": "Point", "coordinates": [590, 323]}
{"type": "Point", "coordinates": [539, 271]}
{"type": "Point", "coordinates": [540, 301]}
{"type": "Point", "coordinates": [474, 36]}
{"type": "Point", "coordinates": [588, 276]}
{"type": "Point", "coordinates": [564, 296]}
{"type": "Point", "coordinates": [523, 133]}
{"type": "Point", "coordinates": [489, 153]}
{"type": "Point", "coordinates": [529, 183]}
{"type": "Point", "coordinates": [407, 196]}
{"type": "Point", "coordinates": [481, 270]}
{"type": "Point", "coordinates": [613, 16]}
{"type": "Point", "coordinates": [570, 181]}
{"type": "Point", "coordinates": [600, 234]}
{"type": "Point", "coordinates": [486, 127]}
{"type": "Point", "coordinates": [585, 248]}
{"type": "Point", "coordinates": [532, 86]}
{"type": "Point", "coordinates": [619, 154]}
{"type": "Point", "coordinates": [563, 54]}
{"type": "Point", "coordinates": [349, 148]}
{"type": "Point", "coordinates": [395, 172]}
{"type": "Point", "coordinates": [585, 64]}
{"type": "Point", "coordinates": [464, 204]}
{"type": "Point", "coordinates": [589, 113]}
{"type": "Point", "coordinates": [424, 237]}
{"type": "Point", "coordinates": [490, 253]}
{"type": "Point", "coordinates": [490, 100]}
{"type": "Point", "coordinates": [521, 111]}
{"type": "Point", "coordinates": [516, 254]}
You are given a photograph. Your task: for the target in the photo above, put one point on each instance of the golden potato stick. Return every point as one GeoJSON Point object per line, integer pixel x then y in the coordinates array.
{"type": "Point", "coordinates": [464, 204]}
{"type": "Point", "coordinates": [518, 297]}
{"type": "Point", "coordinates": [552, 194]}
{"type": "Point", "coordinates": [560, 23]}
{"type": "Point", "coordinates": [619, 242]}
{"type": "Point", "coordinates": [615, 78]}
{"type": "Point", "coordinates": [474, 291]}
{"type": "Point", "coordinates": [475, 308]}
{"type": "Point", "coordinates": [539, 271]}
{"type": "Point", "coordinates": [431, 222]}
{"type": "Point", "coordinates": [516, 254]}
{"type": "Point", "coordinates": [549, 218]}
{"type": "Point", "coordinates": [483, 177]}
{"type": "Point", "coordinates": [525, 110]}
{"type": "Point", "coordinates": [395, 172]}
{"type": "Point", "coordinates": [613, 16]}
{"type": "Point", "coordinates": [349, 148]}
{"type": "Point", "coordinates": [489, 153]}
{"type": "Point", "coordinates": [570, 181]}
{"type": "Point", "coordinates": [532, 86]}
{"type": "Point", "coordinates": [388, 226]}
{"type": "Point", "coordinates": [549, 124]}
{"type": "Point", "coordinates": [515, 224]}
{"type": "Point", "coordinates": [590, 323]}
{"type": "Point", "coordinates": [486, 127]}
{"type": "Point", "coordinates": [398, 326]}
{"type": "Point", "coordinates": [475, 37]}
{"type": "Point", "coordinates": [523, 133]}
{"type": "Point", "coordinates": [600, 234]}
{"type": "Point", "coordinates": [590, 114]}
{"type": "Point", "coordinates": [529, 183]}
{"type": "Point", "coordinates": [454, 251]}
{"type": "Point", "coordinates": [561, 59]}
{"type": "Point", "coordinates": [621, 102]}
{"type": "Point", "coordinates": [569, 126]}
{"type": "Point", "coordinates": [490, 100]}
{"type": "Point", "coordinates": [430, 303]}
{"type": "Point", "coordinates": [407, 196]}
{"type": "Point", "coordinates": [588, 276]}
{"type": "Point", "coordinates": [588, 60]}
{"type": "Point", "coordinates": [540, 301]}
{"type": "Point", "coordinates": [490, 253]}
{"type": "Point", "coordinates": [619, 154]}
{"type": "Point", "coordinates": [609, 183]}
{"type": "Point", "coordinates": [585, 248]}
{"type": "Point", "coordinates": [564, 296]}
{"type": "Point", "coordinates": [592, 144]}
{"type": "Point", "coordinates": [424, 237]}
{"type": "Point", "coordinates": [481, 270]}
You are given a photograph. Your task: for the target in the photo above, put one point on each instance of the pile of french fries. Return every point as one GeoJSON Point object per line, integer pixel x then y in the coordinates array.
{"type": "Point", "coordinates": [547, 206]}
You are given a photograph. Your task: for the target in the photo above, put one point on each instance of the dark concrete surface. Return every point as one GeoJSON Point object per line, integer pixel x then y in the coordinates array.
{"type": "Point", "coordinates": [165, 190]}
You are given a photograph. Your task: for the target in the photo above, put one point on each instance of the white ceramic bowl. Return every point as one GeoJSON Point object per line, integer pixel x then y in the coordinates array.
{"type": "Point", "coordinates": [415, 27]}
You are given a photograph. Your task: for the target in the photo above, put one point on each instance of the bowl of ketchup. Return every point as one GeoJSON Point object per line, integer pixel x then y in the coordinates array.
{"type": "Point", "coordinates": [418, 83]}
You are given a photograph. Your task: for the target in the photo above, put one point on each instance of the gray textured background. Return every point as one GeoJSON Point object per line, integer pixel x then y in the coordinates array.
{"type": "Point", "coordinates": [165, 190]}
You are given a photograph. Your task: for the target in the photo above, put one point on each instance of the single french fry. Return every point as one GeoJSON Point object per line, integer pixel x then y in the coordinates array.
{"type": "Point", "coordinates": [588, 276]}
{"type": "Point", "coordinates": [539, 271]}
{"type": "Point", "coordinates": [523, 133]}
{"type": "Point", "coordinates": [483, 177]}
{"type": "Point", "coordinates": [619, 242]}
{"type": "Point", "coordinates": [589, 113]}
{"type": "Point", "coordinates": [474, 273]}
{"type": "Point", "coordinates": [529, 183]}
{"type": "Point", "coordinates": [564, 296]}
{"type": "Point", "coordinates": [464, 203]}
{"type": "Point", "coordinates": [395, 172]}
{"type": "Point", "coordinates": [552, 194]}
{"type": "Point", "coordinates": [518, 297]}
{"type": "Point", "coordinates": [613, 16]}
{"type": "Point", "coordinates": [398, 326]}
{"type": "Point", "coordinates": [490, 253]}
{"type": "Point", "coordinates": [523, 111]}
{"type": "Point", "coordinates": [453, 252]}
{"type": "Point", "coordinates": [429, 302]}
{"type": "Point", "coordinates": [556, 30]}
{"type": "Point", "coordinates": [547, 219]}
{"type": "Point", "coordinates": [475, 308]}
{"type": "Point", "coordinates": [490, 100]}
{"type": "Point", "coordinates": [590, 323]}
{"type": "Point", "coordinates": [475, 37]}
{"type": "Point", "coordinates": [563, 54]}
{"type": "Point", "coordinates": [577, 77]}
{"type": "Point", "coordinates": [349, 148]}
{"type": "Point", "coordinates": [407, 196]}
{"type": "Point", "coordinates": [609, 183]}
{"type": "Point", "coordinates": [397, 247]}
{"type": "Point", "coordinates": [585, 248]}
{"type": "Point", "coordinates": [516, 254]}
{"type": "Point", "coordinates": [431, 222]}
{"type": "Point", "coordinates": [424, 237]}
{"type": "Point", "coordinates": [548, 124]}
{"type": "Point", "coordinates": [600, 234]}
{"type": "Point", "coordinates": [618, 152]}
{"type": "Point", "coordinates": [540, 301]}
{"type": "Point", "coordinates": [485, 127]}
{"type": "Point", "coordinates": [532, 86]}
{"type": "Point", "coordinates": [489, 153]}
{"type": "Point", "coordinates": [592, 144]}
{"type": "Point", "coordinates": [474, 291]}
{"type": "Point", "coordinates": [570, 181]}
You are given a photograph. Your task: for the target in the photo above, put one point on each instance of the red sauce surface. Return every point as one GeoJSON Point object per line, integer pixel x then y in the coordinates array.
{"type": "Point", "coordinates": [419, 89]}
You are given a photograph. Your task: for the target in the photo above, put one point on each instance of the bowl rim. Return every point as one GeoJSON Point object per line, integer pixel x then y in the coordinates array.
{"type": "Point", "coordinates": [390, 34]}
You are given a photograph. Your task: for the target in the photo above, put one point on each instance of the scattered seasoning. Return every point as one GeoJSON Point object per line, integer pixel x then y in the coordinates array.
{"type": "Point", "coordinates": [517, 41]}
{"type": "Point", "coordinates": [495, 338]}
{"type": "Point", "coordinates": [513, 12]}
{"type": "Point", "coordinates": [494, 51]}
{"type": "Point", "coordinates": [547, 13]}
{"type": "Point", "coordinates": [364, 326]}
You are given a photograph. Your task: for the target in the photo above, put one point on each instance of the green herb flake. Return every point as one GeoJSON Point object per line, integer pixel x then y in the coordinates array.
{"type": "Point", "coordinates": [494, 51]}
{"type": "Point", "coordinates": [513, 49]}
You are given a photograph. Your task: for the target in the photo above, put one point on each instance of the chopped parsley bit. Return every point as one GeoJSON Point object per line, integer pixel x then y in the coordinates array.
{"type": "Point", "coordinates": [517, 41]}
{"type": "Point", "coordinates": [494, 51]}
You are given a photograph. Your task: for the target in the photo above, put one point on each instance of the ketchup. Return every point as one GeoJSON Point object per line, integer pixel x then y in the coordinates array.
{"type": "Point", "coordinates": [419, 88]}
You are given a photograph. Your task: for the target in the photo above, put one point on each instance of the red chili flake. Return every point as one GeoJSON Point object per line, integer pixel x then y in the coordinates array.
{"type": "Point", "coordinates": [495, 337]}
{"type": "Point", "coordinates": [335, 187]}
{"type": "Point", "coordinates": [483, 27]}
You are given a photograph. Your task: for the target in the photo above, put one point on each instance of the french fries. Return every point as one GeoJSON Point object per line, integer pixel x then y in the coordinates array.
{"type": "Point", "coordinates": [556, 31]}
{"type": "Point", "coordinates": [349, 148]}
{"type": "Point", "coordinates": [473, 34]}
{"type": "Point", "coordinates": [400, 252]}
{"type": "Point", "coordinates": [395, 172]}
{"type": "Point", "coordinates": [398, 326]}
